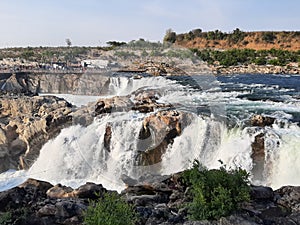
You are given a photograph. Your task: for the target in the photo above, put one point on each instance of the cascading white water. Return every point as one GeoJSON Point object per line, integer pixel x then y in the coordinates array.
{"type": "Point", "coordinates": [284, 158]}
{"type": "Point", "coordinates": [125, 86]}
{"type": "Point", "coordinates": [209, 142]}
{"type": "Point", "coordinates": [78, 155]}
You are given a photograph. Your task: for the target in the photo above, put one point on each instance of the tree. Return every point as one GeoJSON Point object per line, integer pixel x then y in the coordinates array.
{"type": "Point", "coordinates": [197, 32]}
{"type": "Point", "coordinates": [68, 42]}
{"type": "Point", "coordinates": [110, 210]}
{"type": "Point", "coordinates": [215, 193]}
{"type": "Point", "coordinates": [170, 36]}
{"type": "Point", "coordinates": [115, 43]}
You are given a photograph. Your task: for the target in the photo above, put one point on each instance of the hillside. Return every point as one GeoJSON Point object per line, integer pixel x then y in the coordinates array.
{"type": "Point", "coordinates": [285, 40]}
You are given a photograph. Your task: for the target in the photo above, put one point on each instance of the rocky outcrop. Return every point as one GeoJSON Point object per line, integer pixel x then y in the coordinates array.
{"type": "Point", "coordinates": [262, 121]}
{"type": "Point", "coordinates": [77, 83]}
{"type": "Point", "coordinates": [26, 123]}
{"type": "Point", "coordinates": [258, 145]}
{"type": "Point", "coordinates": [155, 69]}
{"type": "Point", "coordinates": [143, 102]}
{"type": "Point", "coordinates": [37, 202]}
{"type": "Point", "coordinates": [157, 132]}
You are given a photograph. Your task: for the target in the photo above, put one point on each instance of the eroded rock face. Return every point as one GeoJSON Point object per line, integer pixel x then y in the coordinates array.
{"type": "Point", "coordinates": [159, 130]}
{"type": "Point", "coordinates": [143, 102]}
{"type": "Point", "coordinates": [258, 147]}
{"type": "Point", "coordinates": [26, 123]}
{"type": "Point", "coordinates": [77, 83]}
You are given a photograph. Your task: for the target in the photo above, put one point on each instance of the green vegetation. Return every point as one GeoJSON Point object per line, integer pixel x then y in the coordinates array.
{"type": "Point", "coordinates": [215, 193]}
{"type": "Point", "coordinates": [124, 54]}
{"type": "Point", "coordinates": [5, 218]}
{"type": "Point", "coordinates": [268, 37]}
{"type": "Point", "coordinates": [235, 57]}
{"type": "Point", "coordinates": [110, 210]}
{"type": "Point", "coordinates": [115, 43]}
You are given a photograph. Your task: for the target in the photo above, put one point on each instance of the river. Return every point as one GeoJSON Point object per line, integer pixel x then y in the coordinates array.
{"type": "Point", "coordinates": [220, 132]}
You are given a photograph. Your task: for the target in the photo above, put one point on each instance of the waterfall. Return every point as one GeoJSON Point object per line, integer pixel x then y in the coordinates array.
{"type": "Point", "coordinates": [79, 154]}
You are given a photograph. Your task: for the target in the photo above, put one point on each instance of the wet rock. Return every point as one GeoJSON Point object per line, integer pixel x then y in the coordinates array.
{"type": "Point", "coordinates": [107, 137]}
{"type": "Point", "coordinates": [258, 147]}
{"type": "Point", "coordinates": [262, 121]}
{"type": "Point", "coordinates": [158, 131]}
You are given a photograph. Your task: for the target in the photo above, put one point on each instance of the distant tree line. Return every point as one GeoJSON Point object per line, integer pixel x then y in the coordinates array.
{"type": "Point", "coordinates": [234, 37]}
{"type": "Point", "coordinates": [234, 57]}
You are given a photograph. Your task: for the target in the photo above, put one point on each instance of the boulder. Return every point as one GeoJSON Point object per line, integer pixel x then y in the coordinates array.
{"type": "Point", "coordinates": [262, 193]}
{"type": "Point", "coordinates": [158, 131]}
{"type": "Point", "coordinates": [88, 190]}
{"type": "Point", "coordinates": [262, 121]}
{"type": "Point", "coordinates": [289, 197]}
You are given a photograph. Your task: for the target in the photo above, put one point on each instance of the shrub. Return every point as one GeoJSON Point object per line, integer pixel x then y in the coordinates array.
{"type": "Point", "coordinates": [110, 210]}
{"type": "Point", "coordinates": [215, 193]}
{"type": "Point", "coordinates": [268, 37]}
{"type": "Point", "coordinates": [170, 36]}
{"type": "Point", "coordinates": [5, 218]}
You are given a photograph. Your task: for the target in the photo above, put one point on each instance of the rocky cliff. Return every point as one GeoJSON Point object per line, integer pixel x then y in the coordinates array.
{"type": "Point", "coordinates": [26, 124]}
{"type": "Point", "coordinates": [79, 83]}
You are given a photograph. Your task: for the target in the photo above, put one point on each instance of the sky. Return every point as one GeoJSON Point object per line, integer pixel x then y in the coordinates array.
{"type": "Point", "coordinates": [94, 22]}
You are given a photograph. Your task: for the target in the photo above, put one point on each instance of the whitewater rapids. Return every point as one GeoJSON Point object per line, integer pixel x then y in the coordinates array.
{"type": "Point", "coordinates": [77, 155]}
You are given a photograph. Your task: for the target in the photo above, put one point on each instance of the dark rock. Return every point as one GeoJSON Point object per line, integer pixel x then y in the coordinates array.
{"type": "Point", "coordinates": [289, 197]}
{"type": "Point", "coordinates": [107, 137]}
{"type": "Point", "coordinates": [33, 185]}
{"type": "Point", "coordinates": [262, 193]}
{"type": "Point", "coordinates": [258, 148]}
{"type": "Point", "coordinates": [47, 210]}
{"type": "Point", "coordinates": [12, 198]}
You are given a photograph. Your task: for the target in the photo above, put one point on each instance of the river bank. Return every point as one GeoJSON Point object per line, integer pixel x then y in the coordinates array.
{"type": "Point", "coordinates": [255, 69]}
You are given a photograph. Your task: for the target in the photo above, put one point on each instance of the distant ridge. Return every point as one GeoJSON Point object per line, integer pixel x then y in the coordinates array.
{"type": "Point", "coordinates": [262, 40]}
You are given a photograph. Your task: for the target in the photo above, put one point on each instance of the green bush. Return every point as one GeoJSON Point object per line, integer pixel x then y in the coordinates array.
{"type": "Point", "coordinates": [5, 218]}
{"type": "Point", "coordinates": [110, 210]}
{"type": "Point", "coordinates": [215, 193]}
